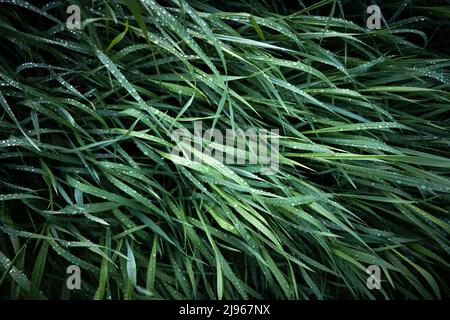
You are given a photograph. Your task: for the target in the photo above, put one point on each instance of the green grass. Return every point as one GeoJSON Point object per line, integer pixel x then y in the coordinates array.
{"type": "Point", "coordinates": [86, 175]}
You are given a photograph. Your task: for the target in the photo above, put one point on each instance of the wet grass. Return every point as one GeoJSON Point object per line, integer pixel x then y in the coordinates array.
{"type": "Point", "coordinates": [87, 176]}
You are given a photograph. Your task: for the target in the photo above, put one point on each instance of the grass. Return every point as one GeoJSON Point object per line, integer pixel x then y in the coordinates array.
{"type": "Point", "coordinates": [87, 176]}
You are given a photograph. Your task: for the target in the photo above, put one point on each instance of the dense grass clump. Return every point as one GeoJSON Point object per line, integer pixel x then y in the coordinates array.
{"type": "Point", "coordinates": [87, 177]}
